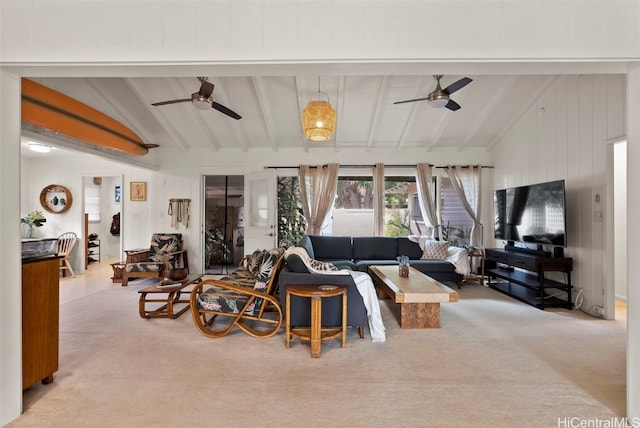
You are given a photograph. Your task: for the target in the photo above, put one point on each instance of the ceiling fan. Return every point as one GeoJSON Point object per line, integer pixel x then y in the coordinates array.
{"type": "Point", "coordinates": [440, 97]}
{"type": "Point", "coordinates": [203, 100]}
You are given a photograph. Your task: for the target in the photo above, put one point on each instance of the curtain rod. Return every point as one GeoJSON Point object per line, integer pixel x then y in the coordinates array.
{"type": "Point", "coordinates": [371, 166]}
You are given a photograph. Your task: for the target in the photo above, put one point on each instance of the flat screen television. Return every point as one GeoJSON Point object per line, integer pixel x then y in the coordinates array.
{"type": "Point", "coordinates": [533, 214]}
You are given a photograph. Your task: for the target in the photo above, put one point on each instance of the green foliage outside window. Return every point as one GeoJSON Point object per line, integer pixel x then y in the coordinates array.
{"type": "Point", "coordinates": [291, 221]}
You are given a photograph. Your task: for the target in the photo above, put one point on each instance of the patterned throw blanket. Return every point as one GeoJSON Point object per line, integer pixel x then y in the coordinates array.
{"type": "Point", "coordinates": [363, 282]}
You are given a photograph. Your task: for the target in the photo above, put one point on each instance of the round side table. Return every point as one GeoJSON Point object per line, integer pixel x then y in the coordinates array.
{"type": "Point", "coordinates": [315, 333]}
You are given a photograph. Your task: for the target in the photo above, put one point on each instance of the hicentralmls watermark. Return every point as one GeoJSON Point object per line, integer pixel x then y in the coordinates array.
{"type": "Point", "coordinates": [578, 422]}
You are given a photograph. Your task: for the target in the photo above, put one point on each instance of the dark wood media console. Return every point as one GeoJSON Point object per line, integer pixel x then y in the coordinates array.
{"type": "Point", "coordinates": [527, 283]}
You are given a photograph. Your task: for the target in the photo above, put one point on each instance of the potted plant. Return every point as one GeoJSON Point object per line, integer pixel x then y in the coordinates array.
{"type": "Point", "coordinates": [33, 219]}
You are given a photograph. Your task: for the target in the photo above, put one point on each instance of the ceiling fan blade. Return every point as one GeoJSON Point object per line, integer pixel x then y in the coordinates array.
{"type": "Point", "coordinates": [452, 105]}
{"type": "Point", "coordinates": [410, 101]}
{"type": "Point", "coordinates": [455, 86]}
{"type": "Point", "coordinates": [171, 102]}
{"type": "Point", "coordinates": [225, 110]}
{"type": "Point", "coordinates": [206, 89]}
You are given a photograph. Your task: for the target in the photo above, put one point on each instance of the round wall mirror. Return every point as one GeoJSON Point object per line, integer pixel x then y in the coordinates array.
{"type": "Point", "coordinates": [56, 199]}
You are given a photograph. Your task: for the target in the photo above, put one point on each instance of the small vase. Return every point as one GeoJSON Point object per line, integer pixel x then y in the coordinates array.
{"type": "Point", "coordinates": [27, 232]}
{"type": "Point", "coordinates": [404, 271]}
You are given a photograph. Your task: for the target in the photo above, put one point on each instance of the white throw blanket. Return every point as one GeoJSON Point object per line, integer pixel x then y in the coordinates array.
{"type": "Point", "coordinates": [365, 287]}
{"type": "Point", "coordinates": [455, 255]}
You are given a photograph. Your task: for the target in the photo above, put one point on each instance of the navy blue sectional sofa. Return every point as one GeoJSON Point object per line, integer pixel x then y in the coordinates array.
{"type": "Point", "coordinates": [355, 253]}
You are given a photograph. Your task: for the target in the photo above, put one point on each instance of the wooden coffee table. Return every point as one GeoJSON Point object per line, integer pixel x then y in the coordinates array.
{"type": "Point", "coordinates": [173, 293]}
{"type": "Point", "coordinates": [419, 295]}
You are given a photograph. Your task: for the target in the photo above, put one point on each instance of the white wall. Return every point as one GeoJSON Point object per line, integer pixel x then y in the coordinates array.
{"type": "Point", "coordinates": [564, 136]}
{"type": "Point", "coordinates": [35, 35]}
{"type": "Point", "coordinates": [620, 220]}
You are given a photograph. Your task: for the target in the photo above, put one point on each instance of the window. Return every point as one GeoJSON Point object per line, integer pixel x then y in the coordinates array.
{"type": "Point", "coordinates": [353, 208]}
{"type": "Point", "coordinates": [456, 223]}
{"type": "Point", "coordinates": [92, 201]}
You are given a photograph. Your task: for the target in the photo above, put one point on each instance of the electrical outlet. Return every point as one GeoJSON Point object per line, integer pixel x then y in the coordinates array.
{"type": "Point", "coordinates": [599, 310]}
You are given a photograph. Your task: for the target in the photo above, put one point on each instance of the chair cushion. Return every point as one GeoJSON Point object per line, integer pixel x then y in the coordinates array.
{"type": "Point", "coordinates": [144, 267]}
{"type": "Point", "coordinates": [223, 300]}
{"type": "Point", "coordinates": [165, 243]}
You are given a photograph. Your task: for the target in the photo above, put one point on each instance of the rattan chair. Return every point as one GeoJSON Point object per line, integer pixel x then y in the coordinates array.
{"type": "Point", "coordinates": [244, 299]}
{"type": "Point", "coordinates": [66, 242]}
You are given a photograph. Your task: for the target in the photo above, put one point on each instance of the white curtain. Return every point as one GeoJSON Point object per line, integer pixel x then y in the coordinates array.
{"type": "Point", "coordinates": [467, 183]}
{"type": "Point", "coordinates": [426, 196]}
{"type": "Point", "coordinates": [378, 199]}
{"type": "Point", "coordinates": [317, 192]}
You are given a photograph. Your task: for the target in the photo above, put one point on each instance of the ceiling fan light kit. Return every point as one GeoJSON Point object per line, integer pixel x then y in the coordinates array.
{"type": "Point", "coordinates": [203, 100]}
{"type": "Point", "coordinates": [439, 97]}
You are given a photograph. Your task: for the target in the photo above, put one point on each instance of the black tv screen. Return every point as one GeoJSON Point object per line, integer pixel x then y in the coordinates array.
{"type": "Point", "coordinates": [534, 214]}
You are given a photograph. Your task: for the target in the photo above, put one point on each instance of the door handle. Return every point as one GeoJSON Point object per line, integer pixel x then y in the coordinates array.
{"type": "Point", "coordinates": [270, 234]}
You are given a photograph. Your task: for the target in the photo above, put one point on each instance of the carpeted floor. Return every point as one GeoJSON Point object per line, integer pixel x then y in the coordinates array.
{"type": "Point", "coordinates": [494, 363]}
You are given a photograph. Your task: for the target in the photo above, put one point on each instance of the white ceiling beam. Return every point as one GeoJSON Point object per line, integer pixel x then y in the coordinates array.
{"type": "Point", "coordinates": [157, 114]}
{"type": "Point", "coordinates": [543, 88]}
{"type": "Point", "coordinates": [220, 97]}
{"type": "Point", "coordinates": [412, 114]}
{"type": "Point", "coordinates": [506, 86]}
{"type": "Point", "coordinates": [265, 111]}
{"type": "Point", "coordinates": [119, 107]}
{"type": "Point", "coordinates": [340, 110]}
{"type": "Point", "coordinates": [302, 103]}
{"type": "Point", "coordinates": [373, 124]}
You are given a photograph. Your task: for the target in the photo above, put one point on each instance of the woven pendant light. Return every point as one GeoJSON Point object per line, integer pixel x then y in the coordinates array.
{"type": "Point", "coordinates": [319, 119]}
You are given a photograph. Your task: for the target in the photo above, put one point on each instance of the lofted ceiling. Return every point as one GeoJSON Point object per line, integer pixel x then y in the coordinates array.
{"type": "Point", "coordinates": [271, 107]}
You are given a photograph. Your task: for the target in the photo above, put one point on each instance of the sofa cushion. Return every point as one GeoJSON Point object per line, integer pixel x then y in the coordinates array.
{"type": "Point", "coordinates": [375, 248]}
{"type": "Point", "coordinates": [331, 247]}
{"type": "Point", "coordinates": [363, 265]}
{"type": "Point", "coordinates": [435, 250]}
{"type": "Point", "coordinates": [305, 242]}
{"type": "Point", "coordinates": [296, 264]}
{"type": "Point", "coordinates": [409, 248]}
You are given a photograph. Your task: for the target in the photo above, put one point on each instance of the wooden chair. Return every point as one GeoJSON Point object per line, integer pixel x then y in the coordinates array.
{"type": "Point", "coordinates": [66, 242]}
{"type": "Point", "coordinates": [164, 253]}
{"type": "Point", "coordinates": [251, 307]}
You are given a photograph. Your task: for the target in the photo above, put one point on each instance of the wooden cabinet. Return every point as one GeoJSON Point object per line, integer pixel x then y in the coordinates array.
{"type": "Point", "coordinates": [40, 318]}
{"type": "Point", "coordinates": [522, 272]}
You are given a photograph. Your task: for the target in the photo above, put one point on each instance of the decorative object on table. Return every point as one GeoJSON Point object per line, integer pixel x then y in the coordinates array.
{"type": "Point", "coordinates": [138, 191]}
{"type": "Point", "coordinates": [34, 219]}
{"type": "Point", "coordinates": [403, 266]}
{"type": "Point", "coordinates": [179, 211]}
{"type": "Point", "coordinates": [56, 199]}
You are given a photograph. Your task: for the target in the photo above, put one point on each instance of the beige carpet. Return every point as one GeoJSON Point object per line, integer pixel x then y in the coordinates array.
{"type": "Point", "coordinates": [494, 363]}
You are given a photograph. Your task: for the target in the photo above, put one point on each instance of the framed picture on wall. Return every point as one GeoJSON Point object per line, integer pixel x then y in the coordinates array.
{"type": "Point", "coordinates": [118, 194]}
{"type": "Point", "coordinates": [138, 191]}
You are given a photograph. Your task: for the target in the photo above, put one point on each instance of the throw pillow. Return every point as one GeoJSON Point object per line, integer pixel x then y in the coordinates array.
{"type": "Point", "coordinates": [435, 250]}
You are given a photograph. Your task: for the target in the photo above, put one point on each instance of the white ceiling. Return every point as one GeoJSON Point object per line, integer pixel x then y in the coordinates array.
{"type": "Point", "coordinates": [271, 107]}
{"type": "Point", "coordinates": [270, 99]}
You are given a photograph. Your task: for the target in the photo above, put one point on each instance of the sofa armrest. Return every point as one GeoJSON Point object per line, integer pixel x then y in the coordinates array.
{"type": "Point", "coordinates": [331, 307]}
